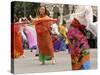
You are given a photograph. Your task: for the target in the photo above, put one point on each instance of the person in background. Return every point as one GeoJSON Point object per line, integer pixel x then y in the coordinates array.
{"type": "Point", "coordinates": [63, 36]}
{"type": "Point", "coordinates": [55, 37]}
{"type": "Point", "coordinates": [29, 31]}
{"type": "Point", "coordinates": [16, 43]}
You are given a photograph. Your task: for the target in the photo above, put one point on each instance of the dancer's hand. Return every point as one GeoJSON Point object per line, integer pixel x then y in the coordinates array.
{"type": "Point", "coordinates": [30, 16]}
{"type": "Point", "coordinates": [56, 20]}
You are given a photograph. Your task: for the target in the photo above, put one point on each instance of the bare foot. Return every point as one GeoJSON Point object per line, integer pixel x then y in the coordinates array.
{"type": "Point", "coordinates": [53, 61]}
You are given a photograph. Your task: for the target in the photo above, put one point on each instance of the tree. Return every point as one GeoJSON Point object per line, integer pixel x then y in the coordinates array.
{"type": "Point", "coordinates": [22, 9]}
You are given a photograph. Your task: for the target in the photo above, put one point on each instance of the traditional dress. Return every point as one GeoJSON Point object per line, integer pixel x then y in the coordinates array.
{"type": "Point", "coordinates": [44, 39]}
{"type": "Point", "coordinates": [31, 35]}
{"type": "Point", "coordinates": [85, 16]}
{"type": "Point", "coordinates": [55, 37]}
{"type": "Point", "coordinates": [56, 42]}
{"type": "Point", "coordinates": [78, 47]}
{"type": "Point", "coordinates": [16, 47]}
{"type": "Point", "coordinates": [63, 36]}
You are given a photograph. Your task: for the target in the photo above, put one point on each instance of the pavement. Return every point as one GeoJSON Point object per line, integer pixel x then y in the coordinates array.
{"type": "Point", "coordinates": [31, 64]}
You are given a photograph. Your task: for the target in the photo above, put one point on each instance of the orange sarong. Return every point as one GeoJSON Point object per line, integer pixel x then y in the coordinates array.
{"type": "Point", "coordinates": [44, 39]}
{"type": "Point", "coordinates": [16, 41]}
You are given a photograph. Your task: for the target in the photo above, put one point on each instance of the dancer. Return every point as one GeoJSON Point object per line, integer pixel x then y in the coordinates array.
{"type": "Point", "coordinates": [78, 46]}
{"type": "Point", "coordinates": [42, 24]}
{"type": "Point", "coordinates": [17, 48]}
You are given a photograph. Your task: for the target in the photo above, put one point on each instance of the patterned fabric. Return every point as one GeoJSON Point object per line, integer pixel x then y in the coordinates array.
{"type": "Point", "coordinates": [78, 48]}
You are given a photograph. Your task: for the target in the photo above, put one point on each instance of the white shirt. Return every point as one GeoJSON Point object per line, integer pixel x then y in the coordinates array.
{"type": "Point", "coordinates": [54, 29]}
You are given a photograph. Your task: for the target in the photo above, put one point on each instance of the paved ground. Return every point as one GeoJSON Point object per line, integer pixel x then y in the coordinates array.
{"type": "Point", "coordinates": [30, 64]}
{"type": "Point", "coordinates": [94, 58]}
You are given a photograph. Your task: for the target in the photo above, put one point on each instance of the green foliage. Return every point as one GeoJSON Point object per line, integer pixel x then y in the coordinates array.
{"type": "Point", "coordinates": [22, 9]}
